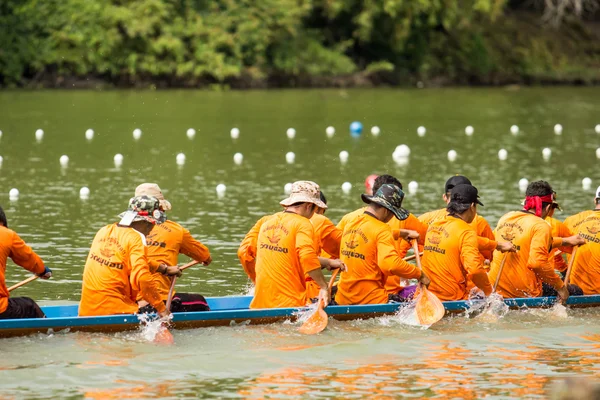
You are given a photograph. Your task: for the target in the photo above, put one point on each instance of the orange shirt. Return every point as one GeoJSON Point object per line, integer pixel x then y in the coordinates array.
{"type": "Point", "coordinates": [451, 258]}
{"type": "Point", "coordinates": [586, 267]}
{"type": "Point", "coordinates": [165, 242]}
{"type": "Point", "coordinates": [327, 234]}
{"type": "Point", "coordinates": [11, 245]}
{"type": "Point", "coordinates": [247, 250]}
{"type": "Point", "coordinates": [115, 271]}
{"type": "Point", "coordinates": [369, 252]}
{"type": "Point", "coordinates": [559, 230]}
{"type": "Point", "coordinates": [286, 251]}
{"type": "Point", "coordinates": [525, 270]}
{"type": "Point", "coordinates": [486, 241]}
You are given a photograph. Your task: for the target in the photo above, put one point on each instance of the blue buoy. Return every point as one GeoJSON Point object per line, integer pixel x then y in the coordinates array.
{"type": "Point", "coordinates": [356, 128]}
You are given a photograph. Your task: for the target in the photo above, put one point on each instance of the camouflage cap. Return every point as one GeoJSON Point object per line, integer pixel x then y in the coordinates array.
{"type": "Point", "coordinates": [304, 192]}
{"type": "Point", "coordinates": [389, 197]}
{"type": "Point", "coordinates": [143, 208]}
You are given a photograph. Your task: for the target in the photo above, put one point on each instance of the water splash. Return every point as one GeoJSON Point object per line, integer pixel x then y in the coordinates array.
{"type": "Point", "coordinates": [248, 290]}
{"type": "Point", "coordinates": [406, 315]}
{"type": "Point", "coordinates": [304, 313]}
{"type": "Point", "coordinates": [490, 309]}
{"type": "Point", "coordinates": [151, 326]}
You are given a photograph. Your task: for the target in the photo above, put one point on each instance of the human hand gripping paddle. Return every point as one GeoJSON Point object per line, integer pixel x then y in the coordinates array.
{"type": "Point", "coordinates": [429, 308]}
{"type": "Point", "coordinates": [318, 320]}
{"type": "Point", "coordinates": [164, 336]}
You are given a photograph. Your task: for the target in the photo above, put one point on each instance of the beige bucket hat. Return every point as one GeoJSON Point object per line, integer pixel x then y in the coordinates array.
{"type": "Point", "coordinates": [304, 192]}
{"type": "Point", "coordinates": [152, 189]}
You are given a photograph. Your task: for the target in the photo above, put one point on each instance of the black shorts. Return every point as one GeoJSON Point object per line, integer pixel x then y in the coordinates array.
{"type": "Point", "coordinates": [548, 290]}
{"type": "Point", "coordinates": [182, 302]}
{"type": "Point", "coordinates": [22, 307]}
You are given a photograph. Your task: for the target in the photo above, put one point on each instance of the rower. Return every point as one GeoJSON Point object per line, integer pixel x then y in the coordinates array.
{"type": "Point", "coordinates": [117, 267]}
{"type": "Point", "coordinates": [286, 250]}
{"type": "Point", "coordinates": [586, 266]}
{"type": "Point", "coordinates": [559, 231]}
{"type": "Point", "coordinates": [369, 251]}
{"type": "Point", "coordinates": [22, 255]}
{"type": "Point", "coordinates": [528, 273]}
{"type": "Point", "coordinates": [450, 256]}
{"type": "Point", "coordinates": [369, 183]}
{"type": "Point", "coordinates": [485, 237]}
{"type": "Point", "coordinates": [165, 243]}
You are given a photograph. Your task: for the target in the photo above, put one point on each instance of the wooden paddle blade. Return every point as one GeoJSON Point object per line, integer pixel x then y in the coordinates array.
{"type": "Point", "coordinates": [429, 308]}
{"type": "Point", "coordinates": [315, 323]}
{"type": "Point", "coordinates": [164, 336]}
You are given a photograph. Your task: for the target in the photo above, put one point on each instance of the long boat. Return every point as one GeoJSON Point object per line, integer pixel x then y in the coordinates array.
{"type": "Point", "coordinates": [226, 311]}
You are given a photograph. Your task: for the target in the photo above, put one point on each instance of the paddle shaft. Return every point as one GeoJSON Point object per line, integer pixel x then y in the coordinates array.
{"type": "Point", "coordinates": [182, 268]}
{"type": "Point", "coordinates": [499, 273]}
{"type": "Point", "coordinates": [25, 282]}
{"type": "Point", "coordinates": [417, 255]}
{"type": "Point", "coordinates": [410, 258]}
{"type": "Point", "coordinates": [570, 266]}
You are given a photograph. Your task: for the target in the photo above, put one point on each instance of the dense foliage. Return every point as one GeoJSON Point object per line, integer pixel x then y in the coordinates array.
{"type": "Point", "coordinates": [285, 42]}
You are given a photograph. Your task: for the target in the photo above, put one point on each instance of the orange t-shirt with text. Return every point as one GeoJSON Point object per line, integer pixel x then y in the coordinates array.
{"type": "Point", "coordinates": [586, 267]}
{"type": "Point", "coordinates": [559, 230]}
{"type": "Point", "coordinates": [369, 252]}
{"type": "Point", "coordinates": [115, 271]}
{"type": "Point", "coordinates": [451, 258]}
{"type": "Point", "coordinates": [11, 245]}
{"type": "Point", "coordinates": [525, 270]}
{"type": "Point", "coordinates": [164, 244]}
{"type": "Point", "coordinates": [286, 252]}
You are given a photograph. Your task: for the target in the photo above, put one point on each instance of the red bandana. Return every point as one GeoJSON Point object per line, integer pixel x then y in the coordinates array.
{"type": "Point", "coordinates": [536, 202]}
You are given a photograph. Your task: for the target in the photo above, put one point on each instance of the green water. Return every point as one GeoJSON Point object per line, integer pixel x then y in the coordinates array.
{"type": "Point", "coordinates": [249, 361]}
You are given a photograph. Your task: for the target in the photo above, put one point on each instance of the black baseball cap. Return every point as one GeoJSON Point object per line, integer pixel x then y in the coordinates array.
{"type": "Point", "coordinates": [456, 180]}
{"type": "Point", "coordinates": [464, 194]}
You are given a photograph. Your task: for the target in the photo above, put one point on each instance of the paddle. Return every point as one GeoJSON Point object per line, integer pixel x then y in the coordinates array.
{"type": "Point", "coordinates": [318, 320]}
{"type": "Point", "coordinates": [570, 266]}
{"type": "Point", "coordinates": [500, 272]}
{"type": "Point", "coordinates": [410, 258]}
{"type": "Point", "coordinates": [429, 308]}
{"type": "Point", "coordinates": [164, 336]}
{"type": "Point", "coordinates": [22, 283]}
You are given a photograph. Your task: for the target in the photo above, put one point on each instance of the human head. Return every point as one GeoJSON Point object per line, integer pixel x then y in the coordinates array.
{"type": "Point", "coordinates": [596, 199]}
{"type": "Point", "coordinates": [463, 202]}
{"type": "Point", "coordinates": [369, 182]}
{"type": "Point", "coordinates": [3, 220]}
{"type": "Point", "coordinates": [450, 183]}
{"type": "Point", "coordinates": [540, 197]}
{"type": "Point", "coordinates": [320, 210]}
{"type": "Point", "coordinates": [142, 214]}
{"type": "Point", "coordinates": [385, 179]}
{"type": "Point", "coordinates": [304, 198]}
{"type": "Point", "coordinates": [153, 190]}
{"type": "Point", "coordinates": [390, 198]}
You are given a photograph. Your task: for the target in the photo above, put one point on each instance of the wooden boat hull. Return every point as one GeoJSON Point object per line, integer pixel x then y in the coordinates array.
{"type": "Point", "coordinates": [227, 311]}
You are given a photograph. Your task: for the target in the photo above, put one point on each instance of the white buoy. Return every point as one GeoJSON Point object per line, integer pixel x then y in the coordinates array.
{"type": "Point", "coordinates": [39, 135]}
{"type": "Point", "coordinates": [180, 159]}
{"type": "Point", "coordinates": [89, 134]}
{"type": "Point", "coordinates": [13, 194]}
{"type": "Point", "coordinates": [598, 152]}
{"type": "Point", "coordinates": [84, 192]}
{"type": "Point", "coordinates": [514, 130]}
{"type": "Point", "coordinates": [221, 189]}
{"type": "Point", "coordinates": [235, 133]}
{"type": "Point", "coordinates": [290, 157]}
{"type": "Point", "coordinates": [546, 153]}
{"type": "Point", "coordinates": [558, 129]}
{"type": "Point", "coordinates": [452, 155]}
{"type": "Point", "coordinates": [137, 133]}
{"type": "Point", "coordinates": [586, 183]}
{"type": "Point", "coordinates": [1, 133]}
{"type": "Point", "coordinates": [346, 187]}
{"type": "Point", "coordinates": [118, 159]}
{"type": "Point", "coordinates": [375, 131]}
{"type": "Point", "coordinates": [190, 133]}
{"type": "Point", "coordinates": [1, 160]}
{"type": "Point", "coordinates": [502, 154]}
{"type": "Point", "coordinates": [330, 131]}
{"type": "Point", "coordinates": [469, 130]}
{"type": "Point", "coordinates": [523, 183]}
{"type": "Point", "coordinates": [64, 161]}
{"type": "Point", "coordinates": [597, 129]}
{"type": "Point", "coordinates": [238, 158]}
{"type": "Point", "coordinates": [291, 133]}
{"type": "Point", "coordinates": [287, 189]}
{"type": "Point", "coordinates": [413, 186]}
{"type": "Point", "coordinates": [402, 151]}
{"type": "Point", "coordinates": [400, 161]}
{"type": "Point", "coordinates": [344, 156]}
{"type": "Point", "coordinates": [421, 131]}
